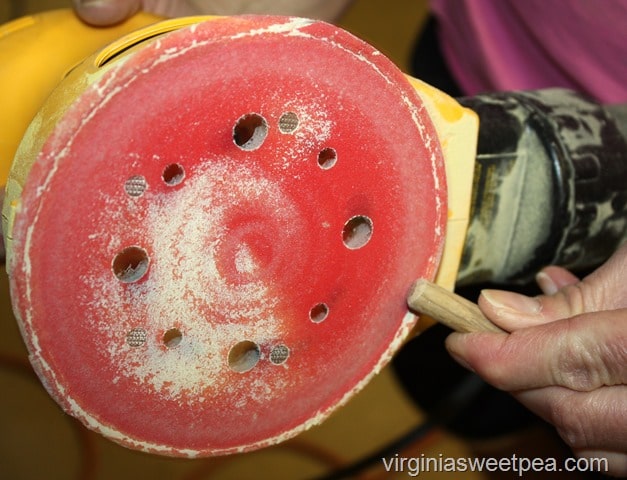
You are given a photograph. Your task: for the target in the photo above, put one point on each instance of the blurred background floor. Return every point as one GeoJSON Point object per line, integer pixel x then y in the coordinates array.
{"type": "Point", "coordinates": [38, 441]}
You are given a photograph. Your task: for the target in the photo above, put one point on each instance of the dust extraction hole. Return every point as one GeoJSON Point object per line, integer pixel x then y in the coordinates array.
{"type": "Point", "coordinates": [319, 313]}
{"type": "Point", "coordinates": [288, 122]}
{"type": "Point", "coordinates": [250, 131]}
{"type": "Point", "coordinates": [327, 158]}
{"type": "Point", "coordinates": [135, 186]}
{"type": "Point", "coordinates": [279, 354]}
{"type": "Point", "coordinates": [136, 337]}
{"type": "Point", "coordinates": [172, 337]}
{"type": "Point", "coordinates": [357, 232]}
{"type": "Point", "coordinates": [173, 174]}
{"type": "Point", "coordinates": [131, 264]}
{"type": "Point", "coordinates": [244, 356]}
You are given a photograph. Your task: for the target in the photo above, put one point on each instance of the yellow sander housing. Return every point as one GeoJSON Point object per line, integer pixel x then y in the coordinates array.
{"type": "Point", "coordinates": [212, 223]}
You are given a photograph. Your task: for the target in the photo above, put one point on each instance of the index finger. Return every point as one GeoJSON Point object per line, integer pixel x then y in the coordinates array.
{"type": "Point", "coordinates": [580, 353]}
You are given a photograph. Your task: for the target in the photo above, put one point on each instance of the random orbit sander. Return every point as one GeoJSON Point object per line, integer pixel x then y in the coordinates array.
{"type": "Point", "coordinates": [213, 223]}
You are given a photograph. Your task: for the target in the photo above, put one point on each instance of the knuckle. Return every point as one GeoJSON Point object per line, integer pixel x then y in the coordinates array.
{"type": "Point", "coordinates": [583, 297]}
{"type": "Point", "coordinates": [574, 299]}
{"type": "Point", "coordinates": [614, 357]}
{"type": "Point", "coordinates": [495, 366]}
{"type": "Point", "coordinates": [581, 362]}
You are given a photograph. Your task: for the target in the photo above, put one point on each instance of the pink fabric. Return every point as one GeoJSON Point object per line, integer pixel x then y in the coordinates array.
{"type": "Point", "coordinates": [528, 44]}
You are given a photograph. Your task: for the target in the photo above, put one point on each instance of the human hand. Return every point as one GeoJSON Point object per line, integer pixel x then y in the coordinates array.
{"type": "Point", "coordinates": [109, 12]}
{"type": "Point", "coordinates": [566, 355]}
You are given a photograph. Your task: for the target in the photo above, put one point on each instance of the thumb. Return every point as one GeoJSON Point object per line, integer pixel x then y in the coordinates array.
{"type": "Point", "coordinates": [604, 289]}
{"type": "Point", "coordinates": [106, 12]}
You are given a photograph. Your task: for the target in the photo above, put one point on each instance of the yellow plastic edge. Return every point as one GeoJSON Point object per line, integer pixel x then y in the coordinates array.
{"type": "Point", "coordinates": [457, 128]}
{"type": "Point", "coordinates": [36, 52]}
{"type": "Point", "coordinates": [58, 84]}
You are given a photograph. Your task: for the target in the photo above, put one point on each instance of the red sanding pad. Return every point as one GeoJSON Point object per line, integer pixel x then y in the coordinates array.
{"type": "Point", "coordinates": [215, 244]}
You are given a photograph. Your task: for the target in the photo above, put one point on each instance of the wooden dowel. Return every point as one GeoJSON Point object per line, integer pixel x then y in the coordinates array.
{"type": "Point", "coordinates": [448, 308]}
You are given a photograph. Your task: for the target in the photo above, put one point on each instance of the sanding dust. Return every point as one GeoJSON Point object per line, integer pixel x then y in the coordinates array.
{"type": "Point", "coordinates": [185, 289]}
{"type": "Point", "coordinates": [244, 260]}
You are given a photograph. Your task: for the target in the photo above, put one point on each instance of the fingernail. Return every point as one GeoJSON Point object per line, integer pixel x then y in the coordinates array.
{"type": "Point", "coordinates": [503, 300]}
{"type": "Point", "coordinates": [546, 284]}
